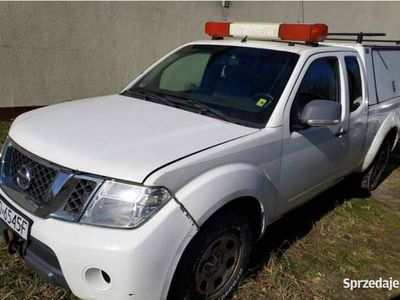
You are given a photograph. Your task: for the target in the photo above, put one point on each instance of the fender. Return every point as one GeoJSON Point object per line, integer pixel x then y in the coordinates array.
{"type": "Point", "coordinates": [207, 193]}
{"type": "Point", "coordinates": [392, 121]}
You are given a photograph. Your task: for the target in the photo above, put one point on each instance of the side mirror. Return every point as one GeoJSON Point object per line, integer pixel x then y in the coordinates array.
{"type": "Point", "coordinates": [321, 113]}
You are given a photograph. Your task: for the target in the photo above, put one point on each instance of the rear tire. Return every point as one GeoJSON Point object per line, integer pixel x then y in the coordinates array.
{"type": "Point", "coordinates": [373, 176]}
{"type": "Point", "coordinates": [214, 261]}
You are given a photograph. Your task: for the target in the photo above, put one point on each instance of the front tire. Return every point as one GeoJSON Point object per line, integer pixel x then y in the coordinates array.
{"type": "Point", "coordinates": [373, 176]}
{"type": "Point", "coordinates": [214, 261]}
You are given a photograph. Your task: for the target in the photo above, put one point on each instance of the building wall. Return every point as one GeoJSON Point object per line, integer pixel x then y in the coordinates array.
{"type": "Point", "coordinates": [52, 52]}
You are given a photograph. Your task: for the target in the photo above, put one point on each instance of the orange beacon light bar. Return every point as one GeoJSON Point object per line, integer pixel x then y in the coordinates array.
{"type": "Point", "coordinates": [289, 32]}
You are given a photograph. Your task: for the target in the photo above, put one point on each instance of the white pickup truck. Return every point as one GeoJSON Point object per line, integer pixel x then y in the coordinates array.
{"type": "Point", "coordinates": [159, 192]}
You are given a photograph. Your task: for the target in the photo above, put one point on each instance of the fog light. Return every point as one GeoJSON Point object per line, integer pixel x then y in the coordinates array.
{"type": "Point", "coordinates": [98, 279]}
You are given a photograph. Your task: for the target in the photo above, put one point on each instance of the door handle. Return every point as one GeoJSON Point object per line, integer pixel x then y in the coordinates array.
{"type": "Point", "coordinates": [341, 132]}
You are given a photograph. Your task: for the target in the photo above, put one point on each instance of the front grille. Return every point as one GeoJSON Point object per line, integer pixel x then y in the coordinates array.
{"type": "Point", "coordinates": [53, 191]}
{"type": "Point", "coordinates": [42, 176]}
{"type": "Point", "coordinates": [78, 197]}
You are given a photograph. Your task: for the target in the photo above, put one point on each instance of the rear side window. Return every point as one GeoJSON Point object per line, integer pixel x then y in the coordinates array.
{"type": "Point", "coordinates": [321, 82]}
{"type": "Point", "coordinates": [354, 79]}
{"type": "Point", "coordinates": [387, 73]}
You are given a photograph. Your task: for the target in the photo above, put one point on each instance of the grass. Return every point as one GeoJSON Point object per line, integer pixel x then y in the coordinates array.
{"type": "Point", "coordinates": [305, 255]}
{"type": "Point", "coordinates": [341, 234]}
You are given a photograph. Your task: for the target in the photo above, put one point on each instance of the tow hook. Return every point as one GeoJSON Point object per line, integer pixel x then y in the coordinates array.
{"type": "Point", "coordinates": [15, 244]}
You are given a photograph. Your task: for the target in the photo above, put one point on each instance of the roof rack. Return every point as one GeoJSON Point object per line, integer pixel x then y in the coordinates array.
{"type": "Point", "coordinates": [359, 37]}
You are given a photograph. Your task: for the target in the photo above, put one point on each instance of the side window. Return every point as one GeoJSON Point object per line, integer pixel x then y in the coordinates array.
{"type": "Point", "coordinates": [355, 85]}
{"type": "Point", "coordinates": [320, 82]}
{"type": "Point", "coordinates": [176, 76]}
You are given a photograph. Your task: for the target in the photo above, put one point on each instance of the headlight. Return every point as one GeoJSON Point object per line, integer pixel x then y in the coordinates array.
{"type": "Point", "coordinates": [122, 205]}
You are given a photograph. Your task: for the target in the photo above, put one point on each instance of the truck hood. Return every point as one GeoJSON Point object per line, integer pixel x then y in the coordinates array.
{"type": "Point", "coordinates": [118, 136]}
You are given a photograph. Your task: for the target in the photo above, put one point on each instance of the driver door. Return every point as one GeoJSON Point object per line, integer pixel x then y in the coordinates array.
{"type": "Point", "coordinates": [313, 158]}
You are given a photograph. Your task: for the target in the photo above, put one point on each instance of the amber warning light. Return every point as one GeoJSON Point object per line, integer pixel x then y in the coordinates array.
{"type": "Point", "coordinates": [289, 32]}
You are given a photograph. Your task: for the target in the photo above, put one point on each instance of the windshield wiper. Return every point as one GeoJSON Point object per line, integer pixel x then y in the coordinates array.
{"type": "Point", "coordinates": [134, 93]}
{"type": "Point", "coordinates": [203, 109]}
{"type": "Point", "coordinates": [176, 101]}
{"type": "Point", "coordinates": [148, 95]}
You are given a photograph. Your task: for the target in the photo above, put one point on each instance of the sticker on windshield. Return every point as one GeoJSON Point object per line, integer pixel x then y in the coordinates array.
{"type": "Point", "coordinates": [261, 102]}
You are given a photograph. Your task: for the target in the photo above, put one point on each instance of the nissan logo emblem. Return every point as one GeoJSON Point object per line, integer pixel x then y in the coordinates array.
{"type": "Point", "coordinates": [24, 177]}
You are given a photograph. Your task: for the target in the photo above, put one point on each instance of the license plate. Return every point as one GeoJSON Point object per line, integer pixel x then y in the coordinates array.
{"type": "Point", "coordinates": [13, 218]}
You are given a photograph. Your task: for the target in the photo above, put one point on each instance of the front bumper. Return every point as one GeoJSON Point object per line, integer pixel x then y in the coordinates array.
{"type": "Point", "coordinates": [44, 261]}
{"type": "Point", "coordinates": [140, 262]}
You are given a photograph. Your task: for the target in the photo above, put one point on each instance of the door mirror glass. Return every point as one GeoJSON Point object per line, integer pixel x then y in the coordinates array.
{"type": "Point", "coordinates": [321, 113]}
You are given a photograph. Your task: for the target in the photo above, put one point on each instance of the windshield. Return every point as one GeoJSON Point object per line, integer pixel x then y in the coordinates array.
{"type": "Point", "coordinates": [243, 84]}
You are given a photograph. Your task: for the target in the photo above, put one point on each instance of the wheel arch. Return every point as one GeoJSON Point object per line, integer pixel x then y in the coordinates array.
{"type": "Point", "coordinates": [389, 129]}
{"type": "Point", "coordinates": [241, 187]}
{"type": "Point", "coordinates": [393, 135]}
{"type": "Point", "coordinates": [249, 207]}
